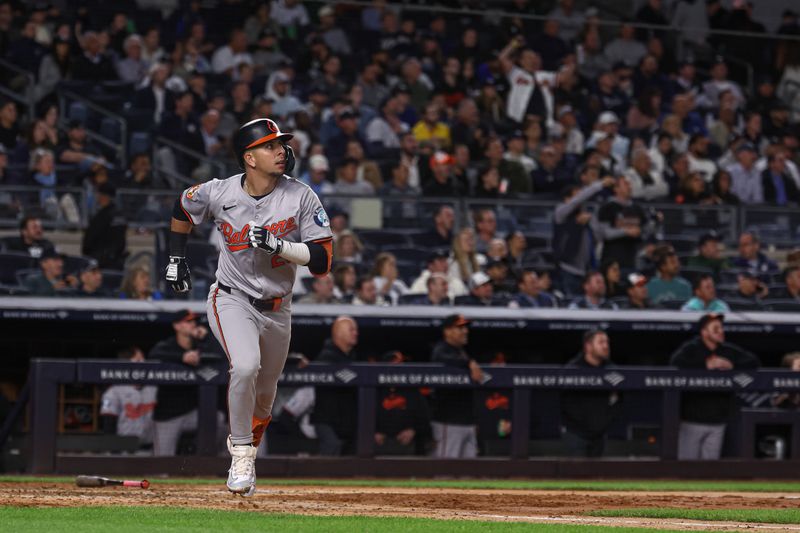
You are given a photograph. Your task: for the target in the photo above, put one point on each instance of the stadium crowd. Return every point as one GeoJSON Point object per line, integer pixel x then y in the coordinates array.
{"type": "Point", "coordinates": [395, 102]}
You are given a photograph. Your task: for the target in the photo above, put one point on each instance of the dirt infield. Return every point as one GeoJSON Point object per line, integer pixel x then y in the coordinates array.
{"type": "Point", "coordinates": [460, 504]}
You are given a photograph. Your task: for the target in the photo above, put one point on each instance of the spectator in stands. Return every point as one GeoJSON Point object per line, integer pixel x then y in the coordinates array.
{"type": "Point", "coordinates": [140, 174]}
{"type": "Point", "coordinates": [441, 235]}
{"type": "Point", "coordinates": [348, 247]}
{"type": "Point", "coordinates": [228, 57]}
{"type": "Point", "coordinates": [745, 179]}
{"type": "Point", "coordinates": [594, 293]}
{"type": "Point", "coordinates": [137, 285]}
{"type": "Point", "coordinates": [402, 420]}
{"type": "Point", "coordinates": [503, 283]}
{"type": "Point", "coordinates": [705, 414]}
{"type": "Point", "coordinates": [751, 257]}
{"type": "Point", "coordinates": [132, 69]}
{"type": "Point", "coordinates": [709, 255]}
{"type": "Point", "coordinates": [284, 102]}
{"type": "Point", "coordinates": [718, 84]}
{"type": "Point", "coordinates": [750, 290]}
{"type": "Point", "coordinates": [386, 278]}
{"type": "Point", "coordinates": [453, 416]}
{"type": "Point", "coordinates": [347, 124]}
{"type": "Point", "coordinates": [366, 293]}
{"type": "Point", "coordinates": [436, 291]}
{"type": "Point", "coordinates": [38, 136]}
{"type": "Point", "coordinates": [778, 185]}
{"type": "Point", "coordinates": [259, 22]}
{"type": "Point", "coordinates": [437, 264]}
{"type": "Point", "coordinates": [31, 239]}
{"type": "Point", "coordinates": [321, 291]}
{"type": "Point", "coordinates": [77, 150]}
{"type": "Point", "coordinates": [105, 237]}
{"type": "Point", "coordinates": [705, 296]}
{"type": "Point", "coordinates": [333, 406]}
{"type": "Point", "coordinates": [526, 95]}
{"type": "Point", "coordinates": [464, 260]}
{"type": "Point", "coordinates": [176, 405]}
{"type": "Point", "coordinates": [344, 281]}
{"type": "Point", "coordinates": [316, 177]}
{"type": "Point", "coordinates": [346, 180]}
{"type": "Point", "coordinates": [383, 132]}
{"type": "Point", "coordinates": [127, 410]}
{"type": "Point", "coordinates": [152, 51]}
{"type": "Point", "coordinates": [612, 275]}
{"type": "Point", "coordinates": [721, 189]}
{"type": "Point", "coordinates": [519, 181]}
{"type": "Point", "coordinates": [530, 293]}
{"type": "Point", "coordinates": [51, 281]}
{"type": "Point", "coordinates": [9, 125]}
{"type": "Point", "coordinates": [645, 183]}
{"type": "Point", "coordinates": [698, 157]}
{"type": "Point", "coordinates": [93, 64]}
{"type": "Point", "coordinates": [587, 415]}
{"type": "Point", "coordinates": [636, 293]}
{"type": "Point", "coordinates": [667, 284]}
{"type": "Point", "coordinates": [268, 55]}
{"type": "Point", "coordinates": [575, 234]}
{"type": "Point", "coordinates": [397, 184]}
{"type": "Point", "coordinates": [154, 96]}
{"type": "Point", "coordinates": [515, 152]}
{"type": "Point", "coordinates": [791, 289]}
{"type": "Point", "coordinates": [24, 50]}
{"type": "Point", "coordinates": [622, 222]}
{"type": "Point", "coordinates": [431, 129]}
{"type": "Point", "coordinates": [481, 291]}
{"type": "Point", "coordinates": [443, 182]}
{"type": "Point", "coordinates": [786, 400]}
{"type": "Point", "coordinates": [625, 48]}
{"type": "Point", "coordinates": [485, 229]}
{"type": "Point", "coordinates": [55, 67]}
{"type": "Point", "coordinates": [550, 176]}
{"type": "Point", "coordinates": [91, 281]}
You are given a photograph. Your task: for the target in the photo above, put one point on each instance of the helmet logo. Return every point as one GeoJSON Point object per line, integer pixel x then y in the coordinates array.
{"type": "Point", "coordinates": [272, 126]}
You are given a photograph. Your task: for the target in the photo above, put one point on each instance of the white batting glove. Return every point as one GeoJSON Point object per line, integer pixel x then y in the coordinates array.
{"type": "Point", "coordinates": [261, 237]}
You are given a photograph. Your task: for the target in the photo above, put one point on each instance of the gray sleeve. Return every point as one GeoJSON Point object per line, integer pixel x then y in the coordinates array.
{"type": "Point", "coordinates": [565, 209]}
{"type": "Point", "coordinates": [196, 201]}
{"type": "Point", "coordinates": [314, 222]}
{"type": "Point", "coordinates": [110, 404]}
{"type": "Point", "coordinates": [607, 232]}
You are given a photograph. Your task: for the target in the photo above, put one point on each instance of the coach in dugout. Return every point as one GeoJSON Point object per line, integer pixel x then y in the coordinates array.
{"type": "Point", "coordinates": [705, 414]}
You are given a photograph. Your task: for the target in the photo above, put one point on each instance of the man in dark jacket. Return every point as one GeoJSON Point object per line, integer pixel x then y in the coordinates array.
{"type": "Point", "coordinates": [587, 414]}
{"type": "Point", "coordinates": [176, 405]}
{"type": "Point", "coordinates": [335, 407]}
{"type": "Point", "coordinates": [705, 414]}
{"type": "Point", "coordinates": [105, 237]}
{"type": "Point", "coordinates": [454, 420]}
{"type": "Point", "coordinates": [31, 239]}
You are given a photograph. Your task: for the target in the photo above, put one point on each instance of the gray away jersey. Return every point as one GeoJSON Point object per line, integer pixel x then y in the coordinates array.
{"type": "Point", "coordinates": [133, 408]}
{"type": "Point", "coordinates": [291, 211]}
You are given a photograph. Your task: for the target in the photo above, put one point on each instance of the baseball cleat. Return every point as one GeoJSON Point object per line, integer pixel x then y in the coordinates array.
{"type": "Point", "coordinates": [242, 474]}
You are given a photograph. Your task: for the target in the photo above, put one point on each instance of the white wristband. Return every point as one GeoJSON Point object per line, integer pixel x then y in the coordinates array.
{"type": "Point", "coordinates": [296, 252]}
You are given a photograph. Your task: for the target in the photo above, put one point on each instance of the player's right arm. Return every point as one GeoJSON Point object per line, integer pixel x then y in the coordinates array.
{"type": "Point", "coordinates": [191, 205]}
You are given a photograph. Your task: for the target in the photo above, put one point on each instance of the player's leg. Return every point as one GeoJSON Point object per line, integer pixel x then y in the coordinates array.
{"type": "Point", "coordinates": [274, 347]}
{"type": "Point", "coordinates": [165, 436]}
{"type": "Point", "coordinates": [689, 439]}
{"type": "Point", "coordinates": [235, 324]}
{"type": "Point", "coordinates": [711, 447]}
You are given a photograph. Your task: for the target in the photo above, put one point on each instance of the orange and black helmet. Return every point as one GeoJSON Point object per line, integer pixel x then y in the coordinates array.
{"type": "Point", "coordinates": [260, 131]}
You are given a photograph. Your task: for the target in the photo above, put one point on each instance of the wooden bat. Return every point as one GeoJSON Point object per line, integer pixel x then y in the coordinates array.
{"type": "Point", "coordinates": [97, 481]}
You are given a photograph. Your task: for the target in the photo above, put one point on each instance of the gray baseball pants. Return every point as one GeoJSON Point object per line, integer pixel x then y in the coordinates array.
{"type": "Point", "coordinates": [700, 441]}
{"type": "Point", "coordinates": [166, 433]}
{"type": "Point", "coordinates": [256, 344]}
{"type": "Point", "coordinates": [455, 441]}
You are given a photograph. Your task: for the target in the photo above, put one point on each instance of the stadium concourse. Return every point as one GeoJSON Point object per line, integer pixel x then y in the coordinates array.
{"type": "Point", "coordinates": [564, 182]}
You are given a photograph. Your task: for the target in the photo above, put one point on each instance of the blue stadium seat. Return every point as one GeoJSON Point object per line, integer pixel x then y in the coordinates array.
{"type": "Point", "coordinates": [110, 129]}
{"type": "Point", "coordinates": [10, 263]}
{"type": "Point", "coordinates": [140, 142]}
{"type": "Point", "coordinates": [78, 111]}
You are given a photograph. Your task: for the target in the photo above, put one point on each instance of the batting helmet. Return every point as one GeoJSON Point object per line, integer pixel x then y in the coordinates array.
{"type": "Point", "coordinates": [260, 131]}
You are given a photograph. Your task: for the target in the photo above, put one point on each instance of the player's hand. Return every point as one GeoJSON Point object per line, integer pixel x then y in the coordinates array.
{"type": "Point", "coordinates": [191, 357]}
{"type": "Point", "coordinates": [380, 438]}
{"type": "Point", "coordinates": [475, 372]}
{"type": "Point", "coordinates": [261, 237]}
{"type": "Point", "coordinates": [716, 362]}
{"type": "Point", "coordinates": [178, 274]}
{"type": "Point", "coordinates": [406, 436]}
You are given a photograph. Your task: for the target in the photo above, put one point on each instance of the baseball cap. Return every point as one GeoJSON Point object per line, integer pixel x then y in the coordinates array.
{"type": "Point", "coordinates": [347, 112]}
{"type": "Point", "coordinates": [597, 137]}
{"type": "Point", "coordinates": [709, 317]}
{"type": "Point", "coordinates": [184, 315]}
{"type": "Point", "coordinates": [441, 158]}
{"type": "Point", "coordinates": [281, 77]}
{"type": "Point", "coordinates": [436, 255]}
{"type": "Point", "coordinates": [516, 134]}
{"type": "Point", "coordinates": [746, 147]}
{"type": "Point", "coordinates": [608, 117]}
{"type": "Point", "coordinates": [495, 263]}
{"type": "Point", "coordinates": [709, 236]}
{"type": "Point", "coordinates": [477, 279]}
{"type": "Point", "coordinates": [455, 321]}
{"type": "Point", "coordinates": [318, 162]}
{"type": "Point", "coordinates": [325, 11]}
{"type": "Point", "coordinates": [565, 110]}
{"type": "Point", "coordinates": [92, 264]}
{"type": "Point", "coordinates": [50, 253]}
{"type": "Point", "coordinates": [74, 124]}
{"type": "Point", "coordinates": [637, 280]}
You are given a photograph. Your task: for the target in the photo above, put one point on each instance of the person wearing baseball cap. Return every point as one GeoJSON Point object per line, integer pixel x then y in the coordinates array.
{"type": "Point", "coordinates": [437, 264]}
{"type": "Point", "coordinates": [704, 415]}
{"type": "Point", "coordinates": [705, 296]}
{"type": "Point", "coordinates": [709, 254]}
{"type": "Point", "coordinates": [50, 281]}
{"type": "Point", "coordinates": [454, 420]}
{"type": "Point", "coordinates": [745, 175]}
{"type": "Point", "coordinates": [91, 281]}
{"type": "Point", "coordinates": [750, 290]}
{"type": "Point", "coordinates": [481, 291]}
{"type": "Point", "coordinates": [636, 293]}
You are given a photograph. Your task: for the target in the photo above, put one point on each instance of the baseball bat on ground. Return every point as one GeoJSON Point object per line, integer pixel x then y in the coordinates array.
{"type": "Point", "coordinates": [97, 481]}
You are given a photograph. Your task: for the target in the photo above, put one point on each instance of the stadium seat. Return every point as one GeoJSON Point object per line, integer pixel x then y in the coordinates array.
{"type": "Point", "coordinates": [10, 263]}
{"type": "Point", "coordinates": [78, 111]}
{"type": "Point", "coordinates": [23, 274]}
{"type": "Point", "coordinates": [140, 142]}
{"type": "Point", "coordinates": [112, 279]}
{"type": "Point", "coordinates": [110, 129]}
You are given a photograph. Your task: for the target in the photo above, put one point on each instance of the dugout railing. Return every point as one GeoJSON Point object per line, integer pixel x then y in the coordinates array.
{"type": "Point", "coordinates": [47, 374]}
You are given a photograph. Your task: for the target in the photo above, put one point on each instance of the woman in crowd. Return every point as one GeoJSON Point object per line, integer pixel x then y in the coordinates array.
{"type": "Point", "coordinates": [386, 277]}
{"type": "Point", "coordinates": [137, 286]}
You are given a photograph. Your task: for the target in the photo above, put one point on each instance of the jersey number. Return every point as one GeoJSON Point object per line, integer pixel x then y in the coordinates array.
{"type": "Point", "coordinates": [278, 261]}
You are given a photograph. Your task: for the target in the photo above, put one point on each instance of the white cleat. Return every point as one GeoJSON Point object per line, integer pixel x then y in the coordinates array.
{"type": "Point", "coordinates": [242, 474]}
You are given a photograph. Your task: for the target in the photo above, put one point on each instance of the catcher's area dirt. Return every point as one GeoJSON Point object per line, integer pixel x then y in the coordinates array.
{"type": "Point", "coordinates": [564, 507]}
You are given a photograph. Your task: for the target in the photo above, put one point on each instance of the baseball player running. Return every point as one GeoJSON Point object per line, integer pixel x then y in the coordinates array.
{"type": "Point", "coordinates": [269, 223]}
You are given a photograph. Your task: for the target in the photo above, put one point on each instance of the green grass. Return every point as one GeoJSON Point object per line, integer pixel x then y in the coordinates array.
{"type": "Point", "coordinates": [654, 485]}
{"type": "Point", "coordinates": [769, 516]}
{"type": "Point", "coordinates": [150, 519]}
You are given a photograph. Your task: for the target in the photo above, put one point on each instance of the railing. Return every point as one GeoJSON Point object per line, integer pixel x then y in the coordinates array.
{"type": "Point", "coordinates": [65, 97]}
{"type": "Point", "coordinates": [28, 197]}
{"type": "Point", "coordinates": [46, 375]}
{"type": "Point", "coordinates": [218, 169]}
{"type": "Point", "coordinates": [146, 209]}
{"type": "Point", "coordinates": [26, 97]}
